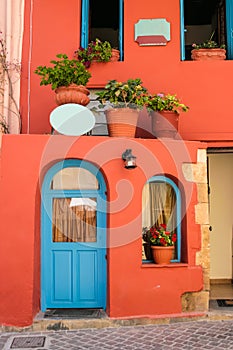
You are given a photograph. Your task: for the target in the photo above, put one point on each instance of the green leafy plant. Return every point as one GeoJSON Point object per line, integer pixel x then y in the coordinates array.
{"type": "Point", "coordinates": [100, 51]}
{"type": "Point", "coordinates": [209, 44]}
{"type": "Point", "coordinates": [165, 102]}
{"type": "Point", "coordinates": [159, 236]}
{"type": "Point", "coordinates": [130, 93]}
{"type": "Point", "coordinates": [63, 73]}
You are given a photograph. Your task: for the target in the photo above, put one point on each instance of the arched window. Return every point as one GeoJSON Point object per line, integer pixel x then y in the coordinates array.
{"type": "Point", "coordinates": [161, 204]}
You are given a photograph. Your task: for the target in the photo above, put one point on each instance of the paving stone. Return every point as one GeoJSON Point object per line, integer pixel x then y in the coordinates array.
{"type": "Point", "coordinates": [202, 335]}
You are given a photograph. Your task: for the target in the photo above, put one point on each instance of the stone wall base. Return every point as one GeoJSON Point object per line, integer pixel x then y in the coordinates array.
{"type": "Point", "coordinates": [195, 301]}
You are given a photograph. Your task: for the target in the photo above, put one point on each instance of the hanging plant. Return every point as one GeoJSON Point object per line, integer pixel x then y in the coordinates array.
{"type": "Point", "coordinates": [96, 51]}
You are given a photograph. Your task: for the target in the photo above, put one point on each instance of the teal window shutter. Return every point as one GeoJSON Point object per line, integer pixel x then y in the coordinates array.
{"type": "Point", "coordinates": [121, 20]}
{"type": "Point", "coordinates": [182, 31]}
{"type": "Point", "coordinates": [229, 28]}
{"type": "Point", "coordinates": [85, 23]}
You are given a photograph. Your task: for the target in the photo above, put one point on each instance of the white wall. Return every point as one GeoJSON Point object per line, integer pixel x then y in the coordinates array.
{"type": "Point", "coordinates": [221, 215]}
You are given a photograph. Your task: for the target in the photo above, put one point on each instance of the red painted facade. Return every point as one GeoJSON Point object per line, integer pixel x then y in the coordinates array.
{"type": "Point", "coordinates": [134, 289]}
{"type": "Point", "coordinates": [131, 285]}
{"type": "Point", "coordinates": [55, 28]}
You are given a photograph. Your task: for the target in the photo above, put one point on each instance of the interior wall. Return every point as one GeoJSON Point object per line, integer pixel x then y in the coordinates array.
{"type": "Point", "coordinates": [221, 219]}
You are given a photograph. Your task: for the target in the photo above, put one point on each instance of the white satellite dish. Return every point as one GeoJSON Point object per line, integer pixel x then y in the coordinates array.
{"type": "Point", "coordinates": [72, 119]}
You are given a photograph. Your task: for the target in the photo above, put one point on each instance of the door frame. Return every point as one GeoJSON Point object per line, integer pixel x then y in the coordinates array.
{"type": "Point", "coordinates": [47, 194]}
{"type": "Point", "coordinates": [216, 151]}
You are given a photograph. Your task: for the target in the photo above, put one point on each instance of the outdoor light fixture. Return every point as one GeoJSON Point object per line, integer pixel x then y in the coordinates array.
{"type": "Point", "coordinates": [129, 159]}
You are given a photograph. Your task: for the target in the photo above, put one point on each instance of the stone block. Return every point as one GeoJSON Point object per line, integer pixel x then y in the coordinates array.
{"type": "Point", "coordinates": [201, 156]}
{"type": "Point", "coordinates": [203, 258]}
{"type": "Point", "coordinates": [195, 301]}
{"type": "Point", "coordinates": [202, 213]}
{"type": "Point", "coordinates": [202, 192]}
{"type": "Point", "coordinates": [195, 172]}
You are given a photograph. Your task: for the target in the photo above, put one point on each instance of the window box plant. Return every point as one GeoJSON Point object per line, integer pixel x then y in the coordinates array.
{"type": "Point", "coordinates": [164, 110]}
{"type": "Point", "coordinates": [162, 243]}
{"type": "Point", "coordinates": [68, 78]}
{"type": "Point", "coordinates": [208, 50]}
{"type": "Point", "coordinates": [122, 102]}
{"type": "Point", "coordinates": [97, 51]}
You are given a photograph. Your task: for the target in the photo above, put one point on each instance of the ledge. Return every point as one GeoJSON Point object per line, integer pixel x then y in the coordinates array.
{"type": "Point", "coordinates": [172, 265]}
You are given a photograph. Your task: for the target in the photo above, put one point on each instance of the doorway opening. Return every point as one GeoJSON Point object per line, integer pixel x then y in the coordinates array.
{"type": "Point", "coordinates": [73, 237]}
{"type": "Point", "coordinates": [220, 170]}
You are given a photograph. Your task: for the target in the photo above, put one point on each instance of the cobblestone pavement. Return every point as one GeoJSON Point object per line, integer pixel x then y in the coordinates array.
{"type": "Point", "coordinates": [214, 335]}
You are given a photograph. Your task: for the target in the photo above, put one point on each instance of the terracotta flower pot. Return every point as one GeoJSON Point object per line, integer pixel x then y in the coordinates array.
{"type": "Point", "coordinates": [122, 122]}
{"type": "Point", "coordinates": [114, 58]}
{"type": "Point", "coordinates": [165, 124]}
{"type": "Point", "coordinates": [162, 255]}
{"type": "Point", "coordinates": [72, 94]}
{"type": "Point", "coordinates": [208, 54]}
{"type": "Point", "coordinates": [115, 55]}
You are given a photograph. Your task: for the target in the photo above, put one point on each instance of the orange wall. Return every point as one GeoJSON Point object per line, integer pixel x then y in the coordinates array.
{"type": "Point", "coordinates": [133, 289]}
{"type": "Point", "coordinates": [204, 86]}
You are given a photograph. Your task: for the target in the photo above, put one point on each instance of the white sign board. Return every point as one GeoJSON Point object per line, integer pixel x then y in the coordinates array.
{"type": "Point", "coordinates": [72, 119]}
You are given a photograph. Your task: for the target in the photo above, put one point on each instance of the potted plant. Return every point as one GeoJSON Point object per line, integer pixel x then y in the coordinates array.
{"type": "Point", "coordinates": [122, 102]}
{"type": "Point", "coordinates": [97, 51]}
{"type": "Point", "coordinates": [164, 110]}
{"type": "Point", "coordinates": [208, 50]}
{"type": "Point", "coordinates": [68, 78]}
{"type": "Point", "coordinates": [162, 243]}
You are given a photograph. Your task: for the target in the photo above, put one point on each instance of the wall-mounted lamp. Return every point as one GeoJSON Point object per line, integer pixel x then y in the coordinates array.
{"type": "Point", "coordinates": [129, 159]}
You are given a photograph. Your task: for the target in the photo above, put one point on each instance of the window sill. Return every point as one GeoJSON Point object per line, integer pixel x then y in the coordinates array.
{"type": "Point", "coordinates": [172, 265]}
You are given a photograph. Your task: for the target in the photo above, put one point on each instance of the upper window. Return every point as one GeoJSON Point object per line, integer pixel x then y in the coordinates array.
{"type": "Point", "coordinates": [202, 20]}
{"type": "Point", "coordinates": [161, 205]}
{"type": "Point", "coordinates": [103, 19]}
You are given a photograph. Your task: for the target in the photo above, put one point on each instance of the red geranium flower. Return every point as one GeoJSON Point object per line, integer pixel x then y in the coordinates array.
{"type": "Point", "coordinates": [159, 236]}
{"type": "Point", "coordinates": [174, 237]}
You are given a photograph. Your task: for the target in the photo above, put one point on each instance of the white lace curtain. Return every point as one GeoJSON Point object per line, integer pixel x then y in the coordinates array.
{"type": "Point", "coordinates": [159, 205]}
{"type": "Point", "coordinates": [74, 220]}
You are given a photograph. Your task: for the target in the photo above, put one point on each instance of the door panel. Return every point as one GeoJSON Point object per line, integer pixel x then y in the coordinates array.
{"type": "Point", "coordinates": [61, 275]}
{"type": "Point", "coordinates": [75, 277]}
{"type": "Point", "coordinates": [87, 276]}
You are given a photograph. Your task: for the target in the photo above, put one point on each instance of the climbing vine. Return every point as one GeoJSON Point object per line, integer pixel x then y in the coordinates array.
{"type": "Point", "coordinates": [9, 75]}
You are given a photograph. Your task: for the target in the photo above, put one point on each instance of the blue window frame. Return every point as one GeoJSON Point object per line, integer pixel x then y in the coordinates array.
{"type": "Point", "coordinates": [86, 25]}
{"type": "Point", "coordinates": [161, 203]}
{"type": "Point", "coordinates": [200, 20]}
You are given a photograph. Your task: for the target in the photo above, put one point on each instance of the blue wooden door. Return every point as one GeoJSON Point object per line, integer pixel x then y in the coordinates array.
{"type": "Point", "coordinates": [73, 264]}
